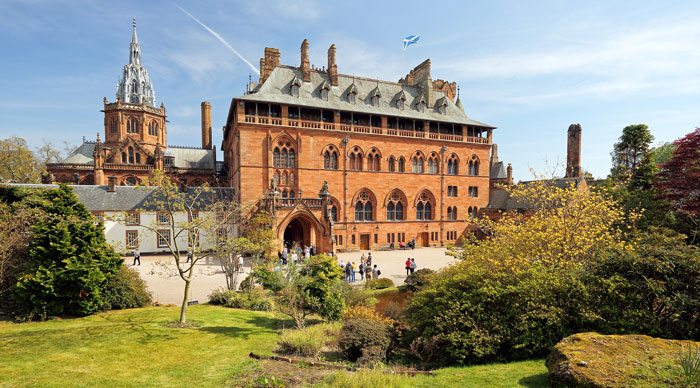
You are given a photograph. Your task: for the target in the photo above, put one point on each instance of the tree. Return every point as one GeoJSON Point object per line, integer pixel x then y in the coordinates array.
{"type": "Point", "coordinates": [70, 259]}
{"type": "Point", "coordinates": [49, 153]}
{"type": "Point", "coordinates": [630, 150]}
{"type": "Point", "coordinates": [662, 152]}
{"type": "Point", "coordinates": [17, 162]}
{"type": "Point", "coordinates": [214, 211]}
{"type": "Point", "coordinates": [679, 180]}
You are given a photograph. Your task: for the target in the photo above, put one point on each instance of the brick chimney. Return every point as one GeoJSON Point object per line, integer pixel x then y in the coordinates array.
{"type": "Point", "coordinates": [573, 151]}
{"type": "Point", "coordinates": [420, 76]}
{"type": "Point", "coordinates": [111, 183]}
{"type": "Point", "coordinates": [305, 64]}
{"type": "Point", "coordinates": [332, 66]}
{"type": "Point", "coordinates": [206, 125]}
{"type": "Point", "coordinates": [509, 175]}
{"type": "Point", "coordinates": [494, 155]}
{"type": "Point", "coordinates": [269, 62]}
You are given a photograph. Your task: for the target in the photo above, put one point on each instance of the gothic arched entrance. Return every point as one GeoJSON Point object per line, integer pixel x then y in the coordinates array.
{"type": "Point", "coordinates": [300, 231]}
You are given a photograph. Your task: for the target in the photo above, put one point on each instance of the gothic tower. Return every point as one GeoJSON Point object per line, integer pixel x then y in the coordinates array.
{"type": "Point", "coordinates": [134, 114]}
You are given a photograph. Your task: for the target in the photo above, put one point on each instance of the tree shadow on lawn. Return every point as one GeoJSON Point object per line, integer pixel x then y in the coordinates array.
{"type": "Point", "coordinates": [534, 381]}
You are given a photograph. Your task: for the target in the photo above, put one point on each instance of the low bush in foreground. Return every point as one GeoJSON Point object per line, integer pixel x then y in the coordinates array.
{"type": "Point", "coordinates": [378, 284]}
{"type": "Point", "coordinates": [125, 289]}
{"type": "Point", "coordinates": [418, 279]}
{"type": "Point", "coordinates": [364, 341]}
{"type": "Point", "coordinates": [255, 300]}
{"type": "Point", "coordinates": [310, 340]}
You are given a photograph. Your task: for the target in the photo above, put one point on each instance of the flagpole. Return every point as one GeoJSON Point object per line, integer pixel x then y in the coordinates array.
{"type": "Point", "coordinates": [403, 51]}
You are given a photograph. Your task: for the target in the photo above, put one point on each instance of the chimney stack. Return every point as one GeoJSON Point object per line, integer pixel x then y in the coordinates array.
{"type": "Point", "coordinates": [269, 62]}
{"type": "Point", "coordinates": [573, 151]}
{"type": "Point", "coordinates": [494, 155]}
{"type": "Point", "coordinates": [509, 175]}
{"type": "Point", "coordinates": [206, 125]}
{"type": "Point", "coordinates": [305, 64]}
{"type": "Point", "coordinates": [332, 66]}
{"type": "Point", "coordinates": [112, 182]}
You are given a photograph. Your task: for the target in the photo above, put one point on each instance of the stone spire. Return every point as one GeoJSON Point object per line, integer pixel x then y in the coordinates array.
{"type": "Point", "coordinates": [134, 85]}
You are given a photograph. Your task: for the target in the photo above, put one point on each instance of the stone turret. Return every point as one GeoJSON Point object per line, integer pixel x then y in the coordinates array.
{"type": "Point", "coordinates": [134, 85]}
{"type": "Point", "coordinates": [332, 66]}
{"type": "Point", "coordinates": [573, 151]}
{"type": "Point", "coordinates": [206, 125]}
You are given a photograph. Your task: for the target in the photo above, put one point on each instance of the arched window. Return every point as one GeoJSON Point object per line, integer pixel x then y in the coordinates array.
{"type": "Point", "coordinates": [130, 181]}
{"type": "Point", "coordinates": [394, 207]}
{"type": "Point", "coordinates": [113, 126]}
{"type": "Point", "coordinates": [452, 213]}
{"type": "Point", "coordinates": [424, 207]}
{"type": "Point", "coordinates": [475, 212]}
{"type": "Point", "coordinates": [327, 160]}
{"type": "Point", "coordinates": [392, 163]}
{"type": "Point", "coordinates": [291, 179]}
{"type": "Point", "coordinates": [138, 158]}
{"type": "Point", "coordinates": [402, 166]}
{"type": "Point", "coordinates": [283, 158]}
{"type": "Point", "coordinates": [132, 125]}
{"type": "Point", "coordinates": [417, 164]}
{"type": "Point", "coordinates": [334, 213]}
{"type": "Point", "coordinates": [292, 194]}
{"type": "Point", "coordinates": [124, 157]}
{"type": "Point", "coordinates": [334, 160]}
{"type": "Point", "coordinates": [284, 193]}
{"type": "Point", "coordinates": [373, 161]}
{"type": "Point", "coordinates": [474, 166]}
{"type": "Point", "coordinates": [277, 178]}
{"type": "Point", "coordinates": [363, 208]}
{"type": "Point", "coordinates": [291, 161]}
{"type": "Point", "coordinates": [283, 176]}
{"type": "Point", "coordinates": [452, 165]}
{"type": "Point", "coordinates": [153, 128]}
{"type": "Point", "coordinates": [131, 155]}
{"type": "Point", "coordinates": [433, 165]}
{"type": "Point", "coordinates": [276, 157]}
{"type": "Point", "coordinates": [356, 159]}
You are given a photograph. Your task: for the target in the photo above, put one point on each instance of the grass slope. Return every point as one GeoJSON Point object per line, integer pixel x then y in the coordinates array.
{"type": "Point", "coordinates": [134, 348]}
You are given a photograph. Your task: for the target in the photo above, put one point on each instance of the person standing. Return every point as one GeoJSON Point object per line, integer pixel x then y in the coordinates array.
{"type": "Point", "coordinates": [354, 267]}
{"type": "Point", "coordinates": [362, 270]}
{"type": "Point", "coordinates": [408, 266]}
{"type": "Point", "coordinates": [376, 272]}
{"type": "Point", "coordinates": [348, 272]}
{"type": "Point", "coordinates": [307, 253]}
{"type": "Point", "coordinates": [189, 255]}
{"type": "Point", "coordinates": [369, 260]}
{"type": "Point", "coordinates": [295, 256]}
{"type": "Point", "coordinates": [240, 263]}
{"type": "Point", "coordinates": [137, 256]}
{"type": "Point", "coordinates": [413, 265]}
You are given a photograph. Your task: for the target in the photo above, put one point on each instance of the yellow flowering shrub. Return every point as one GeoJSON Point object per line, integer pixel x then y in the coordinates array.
{"type": "Point", "coordinates": [366, 313]}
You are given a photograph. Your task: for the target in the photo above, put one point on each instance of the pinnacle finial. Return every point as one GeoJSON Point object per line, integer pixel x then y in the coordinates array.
{"type": "Point", "coordinates": [457, 91]}
{"type": "Point", "coordinates": [134, 22]}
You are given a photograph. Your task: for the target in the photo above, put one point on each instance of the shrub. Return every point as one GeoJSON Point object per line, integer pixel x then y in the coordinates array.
{"type": "Point", "coordinates": [325, 287]}
{"type": "Point", "coordinates": [359, 335]}
{"type": "Point", "coordinates": [359, 297]}
{"type": "Point", "coordinates": [270, 280]}
{"type": "Point", "coordinates": [418, 279]}
{"type": "Point", "coordinates": [255, 301]}
{"type": "Point", "coordinates": [308, 341]}
{"type": "Point", "coordinates": [125, 289]}
{"type": "Point", "coordinates": [378, 284]}
{"type": "Point", "coordinates": [366, 313]}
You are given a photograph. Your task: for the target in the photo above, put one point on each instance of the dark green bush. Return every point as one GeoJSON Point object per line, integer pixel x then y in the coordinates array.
{"type": "Point", "coordinates": [325, 287]}
{"type": "Point", "coordinates": [361, 337]}
{"type": "Point", "coordinates": [270, 280]}
{"type": "Point", "coordinates": [125, 290]}
{"type": "Point", "coordinates": [418, 279]}
{"type": "Point", "coordinates": [378, 284]}
{"type": "Point", "coordinates": [256, 300]}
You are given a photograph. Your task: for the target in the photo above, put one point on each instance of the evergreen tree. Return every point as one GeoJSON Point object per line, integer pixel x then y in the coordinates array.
{"type": "Point", "coordinates": [630, 150]}
{"type": "Point", "coordinates": [70, 260]}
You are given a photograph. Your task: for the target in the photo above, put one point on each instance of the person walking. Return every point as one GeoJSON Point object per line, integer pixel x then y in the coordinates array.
{"type": "Point", "coordinates": [408, 266]}
{"type": "Point", "coordinates": [137, 256]}
{"type": "Point", "coordinates": [354, 267]}
{"type": "Point", "coordinates": [307, 253]}
{"type": "Point", "coordinates": [240, 263]}
{"type": "Point", "coordinates": [369, 260]}
{"type": "Point", "coordinates": [189, 255]}
{"type": "Point", "coordinates": [362, 270]}
{"type": "Point", "coordinates": [413, 265]}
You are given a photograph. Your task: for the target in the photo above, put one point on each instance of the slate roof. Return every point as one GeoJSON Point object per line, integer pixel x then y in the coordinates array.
{"type": "Point", "coordinates": [500, 199]}
{"type": "Point", "coordinates": [498, 171]}
{"type": "Point", "coordinates": [276, 89]}
{"type": "Point", "coordinates": [183, 157]}
{"type": "Point", "coordinates": [124, 198]}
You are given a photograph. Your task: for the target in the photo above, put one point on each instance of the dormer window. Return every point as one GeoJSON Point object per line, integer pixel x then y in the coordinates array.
{"type": "Point", "coordinates": [400, 103]}
{"type": "Point", "coordinates": [420, 106]}
{"type": "Point", "coordinates": [375, 96]}
{"type": "Point", "coordinates": [352, 93]}
{"type": "Point", "coordinates": [324, 91]}
{"type": "Point", "coordinates": [442, 106]}
{"type": "Point", "coordinates": [294, 87]}
{"type": "Point", "coordinates": [375, 101]}
{"type": "Point", "coordinates": [351, 98]}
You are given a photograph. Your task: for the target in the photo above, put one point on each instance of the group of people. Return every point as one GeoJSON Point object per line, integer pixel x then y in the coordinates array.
{"type": "Point", "coordinates": [365, 268]}
{"type": "Point", "coordinates": [410, 265]}
{"type": "Point", "coordinates": [296, 255]}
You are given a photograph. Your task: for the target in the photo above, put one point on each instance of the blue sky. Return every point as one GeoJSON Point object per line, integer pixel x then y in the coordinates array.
{"type": "Point", "coordinates": [529, 68]}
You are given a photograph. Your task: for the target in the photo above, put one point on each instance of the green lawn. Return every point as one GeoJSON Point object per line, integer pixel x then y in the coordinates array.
{"type": "Point", "coordinates": [133, 348]}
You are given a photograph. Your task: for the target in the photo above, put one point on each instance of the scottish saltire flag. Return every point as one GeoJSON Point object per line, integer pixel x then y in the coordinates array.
{"type": "Point", "coordinates": [409, 40]}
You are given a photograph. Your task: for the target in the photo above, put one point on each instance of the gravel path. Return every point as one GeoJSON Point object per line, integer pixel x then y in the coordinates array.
{"type": "Point", "coordinates": [166, 287]}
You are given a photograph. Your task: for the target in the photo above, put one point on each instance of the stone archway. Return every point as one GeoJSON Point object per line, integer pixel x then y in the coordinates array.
{"type": "Point", "coordinates": [300, 230]}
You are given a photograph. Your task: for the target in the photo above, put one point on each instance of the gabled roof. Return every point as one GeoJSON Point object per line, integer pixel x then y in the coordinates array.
{"type": "Point", "coordinates": [84, 154]}
{"type": "Point", "coordinates": [276, 89]}
{"type": "Point", "coordinates": [498, 171]}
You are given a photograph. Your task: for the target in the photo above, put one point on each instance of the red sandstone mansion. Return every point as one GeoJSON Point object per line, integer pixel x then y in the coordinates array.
{"type": "Point", "coordinates": [345, 162]}
{"type": "Point", "coordinates": [135, 140]}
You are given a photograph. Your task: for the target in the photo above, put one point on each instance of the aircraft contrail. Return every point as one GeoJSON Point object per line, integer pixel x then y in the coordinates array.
{"type": "Point", "coordinates": [217, 36]}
